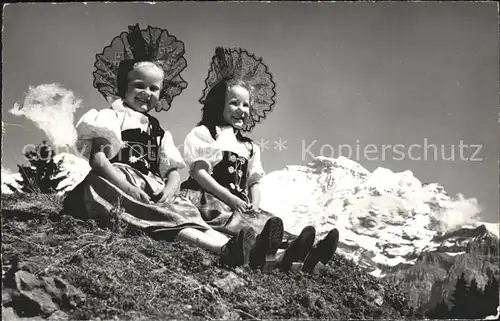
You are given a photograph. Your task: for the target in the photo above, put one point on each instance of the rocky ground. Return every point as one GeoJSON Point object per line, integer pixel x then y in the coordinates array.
{"type": "Point", "coordinates": [59, 267]}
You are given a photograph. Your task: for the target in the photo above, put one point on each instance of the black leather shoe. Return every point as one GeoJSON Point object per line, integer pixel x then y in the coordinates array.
{"type": "Point", "coordinates": [298, 248]}
{"type": "Point", "coordinates": [322, 252]}
{"type": "Point", "coordinates": [267, 244]}
{"type": "Point", "coordinates": [236, 252]}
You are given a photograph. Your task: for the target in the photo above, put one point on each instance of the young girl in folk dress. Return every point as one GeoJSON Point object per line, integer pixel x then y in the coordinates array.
{"type": "Point", "coordinates": [134, 161]}
{"type": "Point", "coordinates": [225, 166]}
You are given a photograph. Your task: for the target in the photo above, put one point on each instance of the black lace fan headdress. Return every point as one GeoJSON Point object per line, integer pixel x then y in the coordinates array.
{"type": "Point", "coordinates": [152, 44]}
{"type": "Point", "coordinates": [237, 63]}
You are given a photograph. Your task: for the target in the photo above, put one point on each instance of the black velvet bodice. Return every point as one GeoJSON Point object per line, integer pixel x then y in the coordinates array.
{"type": "Point", "coordinates": [141, 150]}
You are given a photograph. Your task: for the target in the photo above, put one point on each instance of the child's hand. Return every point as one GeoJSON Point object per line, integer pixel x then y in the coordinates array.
{"type": "Point", "coordinates": [238, 204]}
{"type": "Point", "coordinates": [253, 208]}
{"type": "Point", "coordinates": [139, 194]}
{"type": "Point", "coordinates": [164, 196]}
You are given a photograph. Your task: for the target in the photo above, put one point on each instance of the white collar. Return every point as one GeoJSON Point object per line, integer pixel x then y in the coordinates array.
{"type": "Point", "coordinates": [225, 129]}
{"type": "Point", "coordinates": [131, 118]}
{"type": "Point", "coordinates": [226, 138]}
{"type": "Point", "coordinates": [119, 105]}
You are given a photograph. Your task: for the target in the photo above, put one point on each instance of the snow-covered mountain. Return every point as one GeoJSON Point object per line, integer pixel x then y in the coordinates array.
{"type": "Point", "coordinates": [9, 178]}
{"type": "Point", "coordinates": [390, 223]}
{"type": "Point", "coordinates": [384, 218]}
{"type": "Point", "coordinates": [72, 167]}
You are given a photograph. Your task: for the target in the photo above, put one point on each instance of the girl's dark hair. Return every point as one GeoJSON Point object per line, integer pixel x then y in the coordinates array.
{"type": "Point", "coordinates": [125, 67]}
{"type": "Point", "coordinates": [213, 106]}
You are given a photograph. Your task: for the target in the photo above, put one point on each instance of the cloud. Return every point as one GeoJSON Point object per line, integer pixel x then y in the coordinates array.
{"type": "Point", "coordinates": [51, 107]}
{"type": "Point", "coordinates": [459, 211]}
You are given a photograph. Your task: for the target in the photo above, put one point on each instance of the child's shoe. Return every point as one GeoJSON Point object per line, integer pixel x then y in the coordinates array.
{"type": "Point", "coordinates": [236, 252]}
{"type": "Point", "coordinates": [266, 245]}
{"type": "Point", "coordinates": [298, 248]}
{"type": "Point", "coordinates": [322, 252]}
{"type": "Point", "coordinates": [287, 240]}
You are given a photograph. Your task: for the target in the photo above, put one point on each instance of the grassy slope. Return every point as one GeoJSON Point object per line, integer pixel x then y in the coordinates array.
{"type": "Point", "coordinates": [129, 275]}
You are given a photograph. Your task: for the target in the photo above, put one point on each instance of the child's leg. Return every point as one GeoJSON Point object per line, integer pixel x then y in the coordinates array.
{"type": "Point", "coordinates": [279, 255]}
{"type": "Point", "coordinates": [210, 240]}
{"type": "Point", "coordinates": [217, 235]}
{"type": "Point", "coordinates": [234, 251]}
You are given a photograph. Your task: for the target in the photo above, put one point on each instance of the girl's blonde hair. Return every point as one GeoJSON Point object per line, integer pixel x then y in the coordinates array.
{"type": "Point", "coordinates": [126, 67]}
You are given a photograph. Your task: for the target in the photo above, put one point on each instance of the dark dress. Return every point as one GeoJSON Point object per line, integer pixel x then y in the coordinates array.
{"type": "Point", "coordinates": [233, 172]}
{"type": "Point", "coordinates": [144, 158]}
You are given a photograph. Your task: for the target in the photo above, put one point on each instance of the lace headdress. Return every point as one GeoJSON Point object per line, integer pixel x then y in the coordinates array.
{"type": "Point", "coordinates": [237, 63]}
{"type": "Point", "coordinates": [152, 44]}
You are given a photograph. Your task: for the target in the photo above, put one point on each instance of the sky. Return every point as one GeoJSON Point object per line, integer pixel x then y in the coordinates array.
{"type": "Point", "coordinates": [403, 85]}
